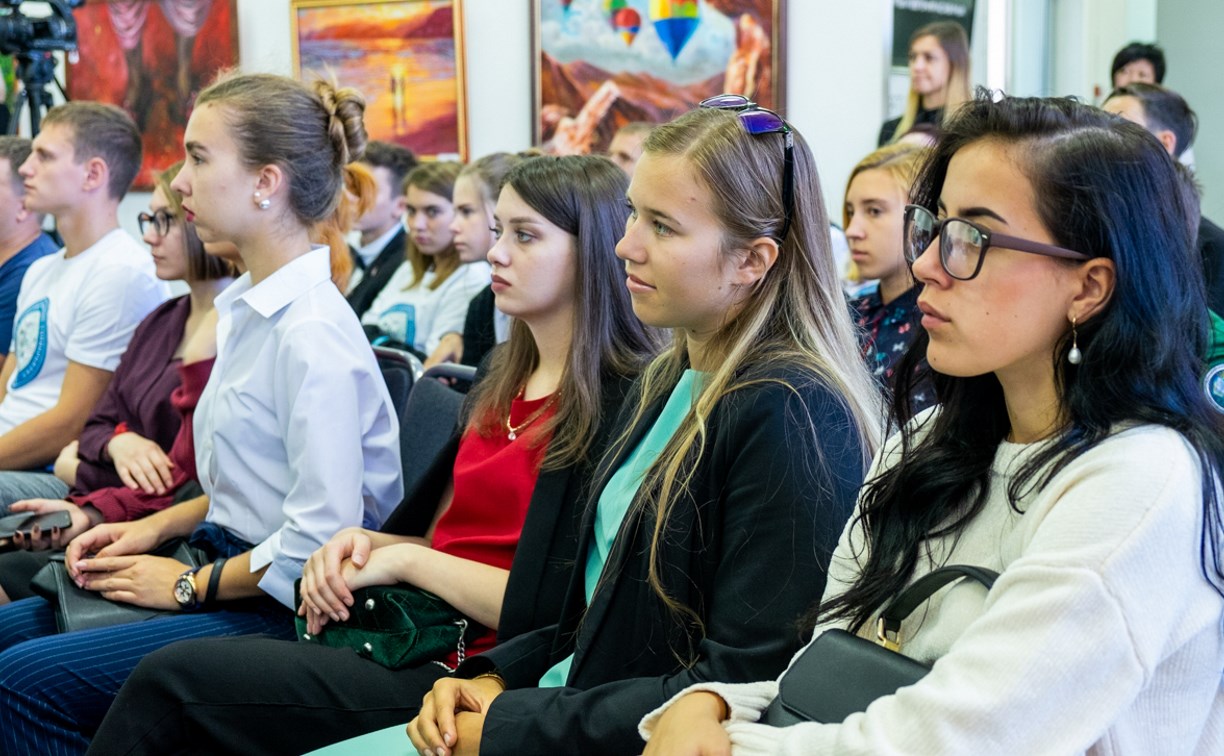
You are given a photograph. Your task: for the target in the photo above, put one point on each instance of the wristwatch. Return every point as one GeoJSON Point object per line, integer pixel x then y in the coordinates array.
{"type": "Point", "coordinates": [185, 591]}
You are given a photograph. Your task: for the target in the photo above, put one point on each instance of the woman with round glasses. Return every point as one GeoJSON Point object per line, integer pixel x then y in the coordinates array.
{"type": "Point", "coordinates": [1073, 453]}
{"type": "Point", "coordinates": [715, 512]}
{"type": "Point", "coordinates": [127, 440]}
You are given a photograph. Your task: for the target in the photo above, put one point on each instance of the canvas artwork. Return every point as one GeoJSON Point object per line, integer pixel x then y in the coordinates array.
{"type": "Point", "coordinates": [603, 63]}
{"type": "Point", "coordinates": [406, 57]}
{"type": "Point", "coordinates": [152, 57]}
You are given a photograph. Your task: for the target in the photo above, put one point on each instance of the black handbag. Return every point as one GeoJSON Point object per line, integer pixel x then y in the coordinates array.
{"type": "Point", "coordinates": [840, 673]}
{"type": "Point", "coordinates": [79, 609]}
{"type": "Point", "coordinates": [396, 626]}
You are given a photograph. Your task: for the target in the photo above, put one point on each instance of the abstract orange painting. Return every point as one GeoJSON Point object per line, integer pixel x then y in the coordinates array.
{"type": "Point", "coordinates": [406, 57]}
{"type": "Point", "coordinates": [152, 57]}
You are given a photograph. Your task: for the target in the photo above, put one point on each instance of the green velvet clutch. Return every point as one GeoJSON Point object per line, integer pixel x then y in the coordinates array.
{"type": "Point", "coordinates": [396, 626]}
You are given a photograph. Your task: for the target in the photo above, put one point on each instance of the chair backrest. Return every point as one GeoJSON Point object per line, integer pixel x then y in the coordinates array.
{"type": "Point", "coordinates": [400, 371]}
{"type": "Point", "coordinates": [459, 377]}
{"type": "Point", "coordinates": [429, 421]}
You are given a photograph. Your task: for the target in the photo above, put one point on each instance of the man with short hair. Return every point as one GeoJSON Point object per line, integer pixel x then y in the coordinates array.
{"type": "Point", "coordinates": [382, 228]}
{"type": "Point", "coordinates": [79, 306]}
{"type": "Point", "coordinates": [22, 240]}
{"type": "Point", "coordinates": [626, 146]}
{"type": "Point", "coordinates": [1138, 62]}
{"type": "Point", "coordinates": [1168, 117]}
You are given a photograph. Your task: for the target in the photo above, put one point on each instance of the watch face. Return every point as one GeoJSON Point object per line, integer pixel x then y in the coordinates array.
{"type": "Point", "coordinates": [184, 590]}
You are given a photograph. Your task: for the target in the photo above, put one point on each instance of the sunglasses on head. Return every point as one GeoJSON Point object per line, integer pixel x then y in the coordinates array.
{"type": "Point", "coordinates": [756, 121]}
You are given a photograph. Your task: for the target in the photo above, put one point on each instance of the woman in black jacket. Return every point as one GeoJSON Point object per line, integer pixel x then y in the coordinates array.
{"type": "Point", "coordinates": [717, 507]}
{"type": "Point", "coordinates": [534, 420]}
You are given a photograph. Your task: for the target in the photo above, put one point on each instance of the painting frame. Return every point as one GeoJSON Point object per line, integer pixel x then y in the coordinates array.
{"type": "Point", "coordinates": [542, 135]}
{"type": "Point", "coordinates": [102, 50]}
{"type": "Point", "coordinates": [421, 141]}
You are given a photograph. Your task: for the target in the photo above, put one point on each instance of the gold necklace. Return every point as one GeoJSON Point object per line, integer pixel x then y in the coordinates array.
{"type": "Point", "coordinates": [513, 431]}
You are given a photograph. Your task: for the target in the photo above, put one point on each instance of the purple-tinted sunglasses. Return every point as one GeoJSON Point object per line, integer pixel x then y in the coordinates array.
{"type": "Point", "coordinates": [756, 121]}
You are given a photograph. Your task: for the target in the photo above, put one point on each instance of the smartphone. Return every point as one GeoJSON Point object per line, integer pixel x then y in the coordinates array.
{"type": "Point", "coordinates": [24, 523]}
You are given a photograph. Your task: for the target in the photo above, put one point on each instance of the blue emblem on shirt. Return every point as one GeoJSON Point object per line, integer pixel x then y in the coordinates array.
{"type": "Point", "coordinates": [1213, 387]}
{"type": "Point", "coordinates": [399, 323]}
{"type": "Point", "coordinates": [30, 342]}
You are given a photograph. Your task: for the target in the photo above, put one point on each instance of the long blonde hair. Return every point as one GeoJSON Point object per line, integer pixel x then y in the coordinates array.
{"type": "Point", "coordinates": [795, 316]}
{"type": "Point", "coordinates": [900, 161]}
{"type": "Point", "coordinates": [955, 44]}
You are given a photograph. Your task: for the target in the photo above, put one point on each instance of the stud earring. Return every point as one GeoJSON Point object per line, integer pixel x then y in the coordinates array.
{"type": "Point", "coordinates": [1075, 356]}
{"type": "Point", "coordinates": [263, 204]}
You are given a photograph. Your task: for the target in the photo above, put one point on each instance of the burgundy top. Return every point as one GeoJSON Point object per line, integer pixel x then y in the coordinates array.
{"type": "Point", "coordinates": [120, 503]}
{"type": "Point", "coordinates": [494, 478]}
{"type": "Point", "coordinates": [138, 394]}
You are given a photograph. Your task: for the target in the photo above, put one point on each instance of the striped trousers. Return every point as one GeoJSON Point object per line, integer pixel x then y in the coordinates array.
{"type": "Point", "coordinates": [55, 689]}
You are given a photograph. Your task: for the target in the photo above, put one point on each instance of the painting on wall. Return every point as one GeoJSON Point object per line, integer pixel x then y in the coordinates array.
{"type": "Point", "coordinates": [600, 64]}
{"type": "Point", "coordinates": [151, 58]}
{"type": "Point", "coordinates": [406, 57]}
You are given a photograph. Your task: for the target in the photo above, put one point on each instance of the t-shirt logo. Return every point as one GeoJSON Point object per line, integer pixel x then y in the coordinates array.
{"type": "Point", "coordinates": [1213, 387]}
{"type": "Point", "coordinates": [30, 342]}
{"type": "Point", "coordinates": [399, 323]}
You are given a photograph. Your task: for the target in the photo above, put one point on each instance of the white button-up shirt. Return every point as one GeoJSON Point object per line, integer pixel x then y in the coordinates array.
{"type": "Point", "coordinates": [295, 434]}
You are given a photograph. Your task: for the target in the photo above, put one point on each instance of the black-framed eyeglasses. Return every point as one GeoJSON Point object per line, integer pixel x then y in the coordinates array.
{"type": "Point", "coordinates": [963, 244]}
{"type": "Point", "coordinates": [162, 220]}
{"type": "Point", "coordinates": [756, 121]}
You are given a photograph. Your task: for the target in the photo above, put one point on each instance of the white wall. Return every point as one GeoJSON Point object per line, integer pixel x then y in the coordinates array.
{"type": "Point", "coordinates": [1190, 33]}
{"type": "Point", "coordinates": [835, 72]}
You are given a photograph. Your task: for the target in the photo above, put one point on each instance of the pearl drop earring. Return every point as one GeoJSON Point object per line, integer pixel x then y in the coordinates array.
{"type": "Point", "coordinates": [263, 204]}
{"type": "Point", "coordinates": [1075, 356]}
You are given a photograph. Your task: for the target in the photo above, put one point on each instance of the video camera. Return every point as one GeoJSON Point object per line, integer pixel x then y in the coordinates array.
{"type": "Point", "coordinates": [20, 33]}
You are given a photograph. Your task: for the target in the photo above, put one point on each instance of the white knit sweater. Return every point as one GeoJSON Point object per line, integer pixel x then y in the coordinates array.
{"type": "Point", "coordinates": [1100, 636]}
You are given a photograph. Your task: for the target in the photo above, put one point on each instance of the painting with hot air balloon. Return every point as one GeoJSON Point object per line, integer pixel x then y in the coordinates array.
{"type": "Point", "coordinates": [603, 63]}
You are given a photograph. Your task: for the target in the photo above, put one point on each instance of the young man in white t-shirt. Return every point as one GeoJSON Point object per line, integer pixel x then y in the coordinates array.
{"type": "Point", "coordinates": [78, 307]}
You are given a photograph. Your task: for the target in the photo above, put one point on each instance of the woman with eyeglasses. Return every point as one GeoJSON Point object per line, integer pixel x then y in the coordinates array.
{"type": "Point", "coordinates": [714, 513]}
{"type": "Point", "coordinates": [125, 448]}
{"type": "Point", "coordinates": [1073, 453]}
{"type": "Point", "coordinates": [939, 79]}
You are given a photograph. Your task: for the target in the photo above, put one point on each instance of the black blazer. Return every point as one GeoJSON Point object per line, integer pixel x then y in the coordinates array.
{"type": "Point", "coordinates": [378, 274]}
{"type": "Point", "coordinates": [1211, 250]}
{"type": "Point", "coordinates": [747, 550]}
{"type": "Point", "coordinates": [479, 333]}
{"type": "Point", "coordinates": [544, 557]}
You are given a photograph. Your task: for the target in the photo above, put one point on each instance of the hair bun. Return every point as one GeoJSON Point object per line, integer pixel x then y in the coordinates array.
{"type": "Point", "coordinates": [345, 108]}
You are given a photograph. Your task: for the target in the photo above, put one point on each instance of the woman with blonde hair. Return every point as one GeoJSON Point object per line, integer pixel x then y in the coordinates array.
{"type": "Point", "coordinates": [939, 79]}
{"type": "Point", "coordinates": [713, 515]}
{"type": "Point", "coordinates": [887, 317]}
{"type": "Point", "coordinates": [428, 295]}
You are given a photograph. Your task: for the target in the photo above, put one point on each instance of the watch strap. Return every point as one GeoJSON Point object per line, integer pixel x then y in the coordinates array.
{"type": "Point", "coordinates": [195, 594]}
{"type": "Point", "coordinates": [214, 581]}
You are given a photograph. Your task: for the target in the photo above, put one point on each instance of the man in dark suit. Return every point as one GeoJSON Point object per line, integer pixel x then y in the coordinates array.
{"type": "Point", "coordinates": [1169, 118]}
{"type": "Point", "coordinates": [382, 228]}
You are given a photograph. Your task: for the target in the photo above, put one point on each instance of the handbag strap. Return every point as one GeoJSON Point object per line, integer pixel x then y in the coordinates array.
{"type": "Point", "coordinates": [922, 589]}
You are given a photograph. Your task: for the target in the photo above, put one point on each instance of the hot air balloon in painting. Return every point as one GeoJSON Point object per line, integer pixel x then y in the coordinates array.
{"type": "Point", "coordinates": [674, 22]}
{"type": "Point", "coordinates": [627, 22]}
{"type": "Point", "coordinates": [612, 7]}
{"type": "Point", "coordinates": [565, 4]}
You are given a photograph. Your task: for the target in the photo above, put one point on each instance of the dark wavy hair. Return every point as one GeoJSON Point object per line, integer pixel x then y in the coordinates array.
{"type": "Point", "coordinates": [1107, 188]}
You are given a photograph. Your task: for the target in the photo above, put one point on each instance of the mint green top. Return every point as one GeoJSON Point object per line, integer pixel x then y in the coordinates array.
{"type": "Point", "coordinates": [620, 492]}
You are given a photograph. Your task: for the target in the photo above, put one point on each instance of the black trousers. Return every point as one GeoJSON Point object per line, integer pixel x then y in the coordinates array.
{"type": "Point", "coordinates": [256, 696]}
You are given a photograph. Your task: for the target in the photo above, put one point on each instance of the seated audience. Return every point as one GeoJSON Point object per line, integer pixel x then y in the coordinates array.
{"type": "Point", "coordinates": [535, 422]}
{"type": "Point", "coordinates": [484, 326]}
{"type": "Point", "coordinates": [1073, 453]}
{"type": "Point", "coordinates": [715, 512]}
{"type": "Point", "coordinates": [1169, 118]}
{"type": "Point", "coordinates": [295, 434]}
{"type": "Point", "coordinates": [888, 317]}
{"type": "Point", "coordinates": [428, 295]}
{"type": "Point", "coordinates": [382, 227]}
{"type": "Point", "coordinates": [360, 193]}
{"type": "Point", "coordinates": [939, 79]}
{"type": "Point", "coordinates": [22, 240]}
{"type": "Point", "coordinates": [78, 307]}
{"type": "Point", "coordinates": [155, 390]}
{"type": "Point", "coordinates": [127, 437]}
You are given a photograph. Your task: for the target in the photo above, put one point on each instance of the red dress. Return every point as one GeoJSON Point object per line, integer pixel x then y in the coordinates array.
{"type": "Point", "coordinates": [494, 478]}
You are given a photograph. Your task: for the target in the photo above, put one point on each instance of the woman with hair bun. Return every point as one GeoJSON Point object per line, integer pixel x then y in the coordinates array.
{"type": "Point", "coordinates": [295, 434]}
